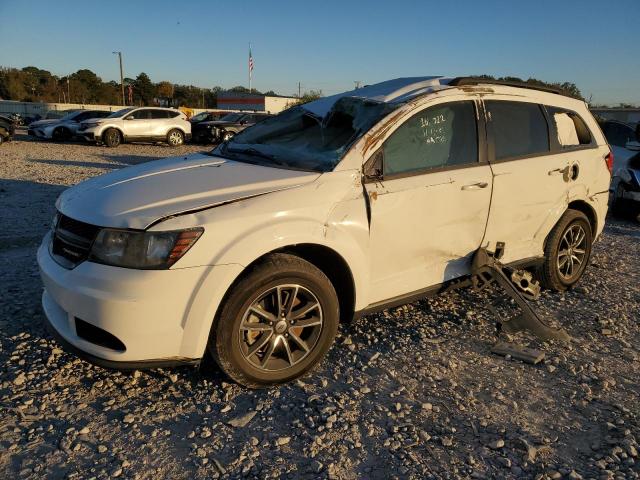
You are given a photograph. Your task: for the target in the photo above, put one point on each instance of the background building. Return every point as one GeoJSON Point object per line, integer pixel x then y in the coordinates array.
{"type": "Point", "coordinates": [253, 102]}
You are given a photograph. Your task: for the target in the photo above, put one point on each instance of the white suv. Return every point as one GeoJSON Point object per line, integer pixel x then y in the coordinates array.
{"type": "Point", "coordinates": [336, 208]}
{"type": "Point", "coordinates": [143, 124]}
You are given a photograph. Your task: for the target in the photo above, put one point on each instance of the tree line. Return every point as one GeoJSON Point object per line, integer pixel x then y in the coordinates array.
{"type": "Point", "coordinates": [32, 84]}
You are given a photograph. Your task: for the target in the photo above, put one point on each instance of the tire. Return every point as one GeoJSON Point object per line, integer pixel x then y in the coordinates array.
{"type": "Point", "coordinates": [620, 206]}
{"type": "Point", "coordinates": [258, 353]}
{"type": "Point", "coordinates": [175, 137]}
{"type": "Point", "coordinates": [61, 134]}
{"type": "Point", "coordinates": [567, 251]}
{"type": "Point", "coordinates": [111, 138]}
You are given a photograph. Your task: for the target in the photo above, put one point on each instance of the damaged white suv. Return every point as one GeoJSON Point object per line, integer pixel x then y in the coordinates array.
{"type": "Point", "coordinates": [336, 208]}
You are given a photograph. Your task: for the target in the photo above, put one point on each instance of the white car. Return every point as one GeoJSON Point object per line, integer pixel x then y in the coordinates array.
{"type": "Point", "coordinates": [144, 124]}
{"type": "Point", "coordinates": [64, 128]}
{"type": "Point", "coordinates": [335, 208]}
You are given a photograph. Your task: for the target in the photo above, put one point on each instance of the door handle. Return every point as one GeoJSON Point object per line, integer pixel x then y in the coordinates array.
{"type": "Point", "coordinates": [475, 186]}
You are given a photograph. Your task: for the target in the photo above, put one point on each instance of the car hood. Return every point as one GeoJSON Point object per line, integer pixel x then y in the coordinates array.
{"type": "Point", "coordinates": [43, 123]}
{"type": "Point", "coordinates": [136, 197]}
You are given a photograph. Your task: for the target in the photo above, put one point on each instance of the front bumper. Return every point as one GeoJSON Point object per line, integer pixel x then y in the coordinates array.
{"type": "Point", "coordinates": [145, 309]}
{"type": "Point", "coordinates": [38, 132]}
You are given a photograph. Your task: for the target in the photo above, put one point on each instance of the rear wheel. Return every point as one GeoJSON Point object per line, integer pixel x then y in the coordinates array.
{"type": "Point", "coordinates": [175, 138]}
{"type": "Point", "coordinates": [276, 324]}
{"type": "Point", "coordinates": [567, 251]}
{"type": "Point", "coordinates": [112, 138]}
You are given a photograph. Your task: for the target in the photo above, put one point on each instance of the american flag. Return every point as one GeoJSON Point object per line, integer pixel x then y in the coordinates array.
{"type": "Point", "coordinates": [250, 61]}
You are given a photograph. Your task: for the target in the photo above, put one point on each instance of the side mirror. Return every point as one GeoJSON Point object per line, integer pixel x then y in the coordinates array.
{"type": "Point", "coordinates": [129, 118]}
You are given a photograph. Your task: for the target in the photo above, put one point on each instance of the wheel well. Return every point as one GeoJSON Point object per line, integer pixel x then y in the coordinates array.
{"type": "Point", "coordinates": [332, 265]}
{"type": "Point", "coordinates": [588, 210]}
{"type": "Point", "coordinates": [116, 129]}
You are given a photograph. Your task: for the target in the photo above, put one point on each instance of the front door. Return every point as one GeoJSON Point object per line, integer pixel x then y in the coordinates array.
{"type": "Point", "coordinates": [429, 208]}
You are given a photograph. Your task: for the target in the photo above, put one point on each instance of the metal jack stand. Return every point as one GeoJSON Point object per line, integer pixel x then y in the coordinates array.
{"type": "Point", "coordinates": [487, 271]}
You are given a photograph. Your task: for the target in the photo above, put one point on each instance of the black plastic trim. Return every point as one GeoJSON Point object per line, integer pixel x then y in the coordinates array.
{"type": "Point", "coordinates": [118, 365]}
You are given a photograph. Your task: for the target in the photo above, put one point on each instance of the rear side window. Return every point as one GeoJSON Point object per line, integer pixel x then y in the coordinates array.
{"type": "Point", "coordinates": [440, 136]}
{"type": "Point", "coordinates": [571, 129]}
{"type": "Point", "coordinates": [618, 134]}
{"type": "Point", "coordinates": [159, 114]}
{"type": "Point", "coordinates": [172, 114]}
{"type": "Point", "coordinates": [518, 128]}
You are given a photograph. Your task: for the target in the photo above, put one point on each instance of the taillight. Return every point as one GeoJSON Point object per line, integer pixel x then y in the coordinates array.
{"type": "Point", "coordinates": [608, 158]}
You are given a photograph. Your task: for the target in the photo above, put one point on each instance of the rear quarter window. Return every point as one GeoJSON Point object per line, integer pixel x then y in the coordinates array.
{"type": "Point", "coordinates": [519, 129]}
{"type": "Point", "coordinates": [572, 131]}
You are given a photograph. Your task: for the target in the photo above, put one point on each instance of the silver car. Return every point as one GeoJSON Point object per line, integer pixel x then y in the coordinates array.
{"type": "Point", "coordinates": [64, 128]}
{"type": "Point", "coordinates": [144, 124]}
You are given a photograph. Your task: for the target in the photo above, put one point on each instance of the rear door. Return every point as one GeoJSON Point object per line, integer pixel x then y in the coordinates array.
{"type": "Point", "coordinates": [429, 208]}
{"type": "Point", "coordinates": [529, 186]}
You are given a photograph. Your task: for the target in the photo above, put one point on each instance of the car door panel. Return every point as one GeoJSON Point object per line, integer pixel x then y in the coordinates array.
{"type": "Point", "coordinates": [529, 189]}
{"type": "Point", "coordinates": [425, 229]}
{"type": "Point", "coordinates": [427, 223]}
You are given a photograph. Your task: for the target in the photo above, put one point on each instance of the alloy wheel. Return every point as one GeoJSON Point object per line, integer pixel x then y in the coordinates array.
{"type": "Point", "coordinates": [572, 251]}
{"type": "Point", "coordinates": [175, 138]}
{"type": "Point", "coordinates": [280, 327]}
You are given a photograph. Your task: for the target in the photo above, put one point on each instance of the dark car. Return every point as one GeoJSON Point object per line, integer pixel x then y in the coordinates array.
{"type": "Point", "coordinates": [624, 141]}
{"type": "Point", "coordinates": [200, 118]}
{"type": "Point", "coordinates": [225, 128]}
{"type": "Point", "coordinates": [7, 128]}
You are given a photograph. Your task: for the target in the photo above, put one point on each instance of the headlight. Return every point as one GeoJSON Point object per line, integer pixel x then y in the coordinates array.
{"type": "Point", "coordinates": [90, 125]}
{"type": "Point", "coordinates": [142, 250]}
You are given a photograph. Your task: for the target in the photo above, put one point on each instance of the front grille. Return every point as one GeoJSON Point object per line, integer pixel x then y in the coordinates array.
{"type": "Point", "coordinates": [72, 241]}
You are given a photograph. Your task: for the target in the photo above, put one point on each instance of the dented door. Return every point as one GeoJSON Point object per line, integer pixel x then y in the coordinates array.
{"type": "Point", "coordinates": [530, 182]}
{"type": "Point", "coordinates": [429, 207]}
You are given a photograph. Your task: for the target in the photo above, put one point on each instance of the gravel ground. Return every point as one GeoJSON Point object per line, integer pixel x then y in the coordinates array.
{"type": "Point", "coordinates": [412, 392]}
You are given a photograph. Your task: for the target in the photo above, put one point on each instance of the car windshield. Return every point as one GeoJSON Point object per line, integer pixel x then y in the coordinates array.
{"type": "Point", "coordinates": [70, 115]}
{"type": "Point", "coordinates": [299, 140]}
{"type": "Point", "coordinates": [232, 117]}
{"type": "Point", "coordinates": [200, 117]}
{"type": "Point", "coordinates": [120, 113]}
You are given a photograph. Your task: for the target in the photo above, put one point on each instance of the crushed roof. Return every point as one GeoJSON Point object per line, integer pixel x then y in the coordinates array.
{"type": "Point", "coordinates": [394, 91]}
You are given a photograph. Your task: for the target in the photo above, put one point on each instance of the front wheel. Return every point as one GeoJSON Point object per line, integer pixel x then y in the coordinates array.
{"type": "Point", "coordinates": [277, 323]}
{"type": "Point", "coordinates": [175, 138]}
{"type": "Point", "coordinates": [112, 138]}
{"type": "Point", "coordinates": [61, 134]}
{"type": "Point", "coordinates": [567, 251]}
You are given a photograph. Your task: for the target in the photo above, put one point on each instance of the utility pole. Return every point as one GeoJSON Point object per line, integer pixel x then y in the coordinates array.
{"type": "Point", "coordinates": [121, 76]}
{"type": "Point", "coordinates": [68, 89]}
{"type": "Point", "coordinates": [299, 90]}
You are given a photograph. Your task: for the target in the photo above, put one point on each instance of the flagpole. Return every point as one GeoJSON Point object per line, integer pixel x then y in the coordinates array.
{"type": "Point", "coordinates": [250, 73]}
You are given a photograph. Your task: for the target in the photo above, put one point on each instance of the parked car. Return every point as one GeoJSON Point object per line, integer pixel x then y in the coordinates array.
{"type": "Point", "coordinates": [144, 124]}
{"type": "Point", "coordinates": [202, 135]}
{"type": "Point", "coordinates": [332, 209]}
{"type": "Point", "coordinates": [7, 129]}
{"type": "Point", "coordinates": [624, 140]}
{"type": "Point", "coordinates": [228, 126]}
{"type": "Point", "coordinates": [64, 128]}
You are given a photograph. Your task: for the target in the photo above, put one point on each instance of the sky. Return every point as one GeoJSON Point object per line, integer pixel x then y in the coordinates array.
{"type": "Point", "coordinates": [328, 45]}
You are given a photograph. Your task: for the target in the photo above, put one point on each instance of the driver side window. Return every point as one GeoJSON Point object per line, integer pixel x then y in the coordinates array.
{"type": "Point", "coordinates": [437, 137]}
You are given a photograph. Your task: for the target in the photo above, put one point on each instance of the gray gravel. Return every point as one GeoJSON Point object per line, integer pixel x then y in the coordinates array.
{"type": "Point", "coordinates": [412, 392]}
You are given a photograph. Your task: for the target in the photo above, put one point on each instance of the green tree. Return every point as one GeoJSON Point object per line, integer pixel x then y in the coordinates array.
{"type": "Point", "coordinates": [144, 90]}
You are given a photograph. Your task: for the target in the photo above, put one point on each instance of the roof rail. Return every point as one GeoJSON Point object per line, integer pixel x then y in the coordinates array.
{"type": "Point", "coordinates": [461, 81]}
